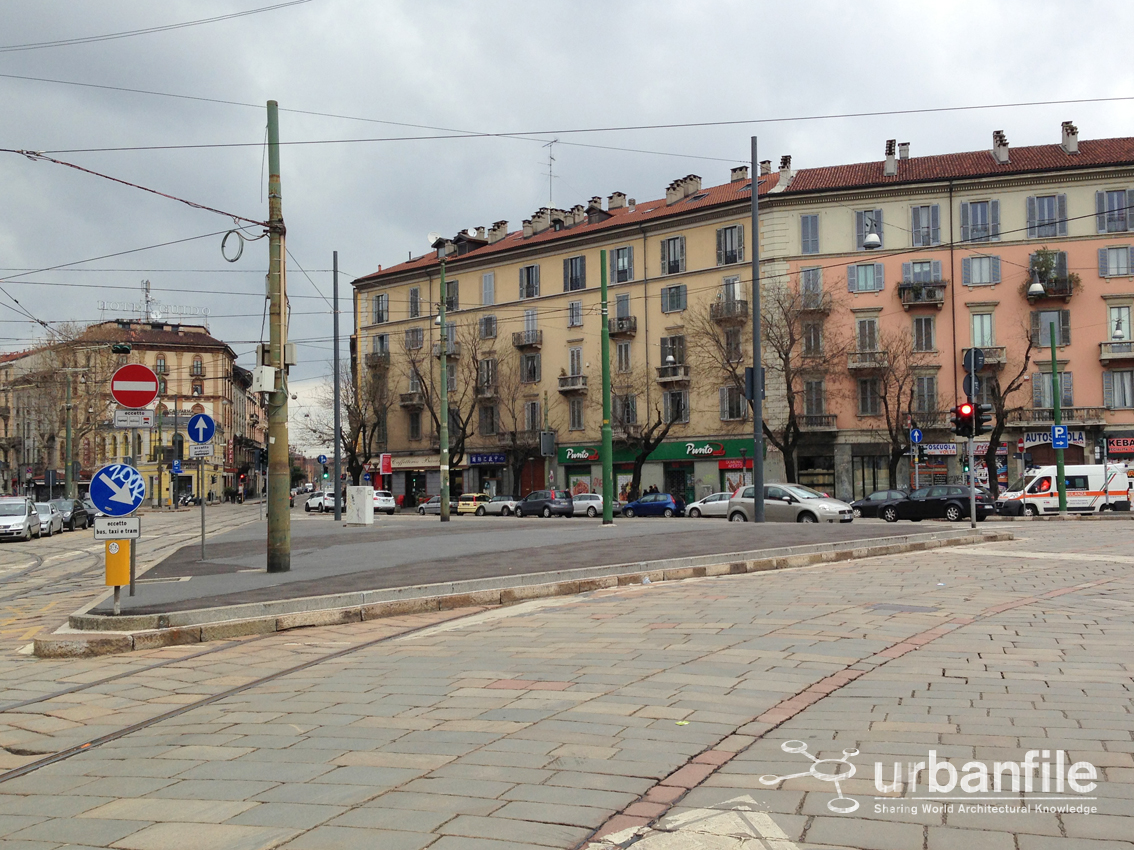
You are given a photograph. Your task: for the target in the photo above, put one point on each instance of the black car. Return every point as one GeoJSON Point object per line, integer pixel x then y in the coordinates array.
{"type": "Point", "coordinates": [868, 507]}
{"type": "Point", "coordinates": [545, 503]}
{"type": "Point", "coordinates": [938, 502]}
{"type": "Point", "coordinates": [75, 513]}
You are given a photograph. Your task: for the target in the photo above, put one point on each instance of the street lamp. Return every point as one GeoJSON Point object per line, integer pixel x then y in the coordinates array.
{"type": "Point", "coordinates": [872, 240]}
{"type": "Point", "coordinates": [1035, 288]}
{"type": "Point", "coordinates": [1118, 334]}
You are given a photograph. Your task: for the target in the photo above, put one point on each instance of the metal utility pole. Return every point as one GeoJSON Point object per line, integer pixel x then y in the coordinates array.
{"type": "Point", "coordinates": [607, 436]}
{"type": "Point", "coordinates": [443, 426]}
{"type": "Point", "coordinates": [338, 422]}
{"type": "Point", "coordinates": [757, 357]}
{"type": "Point", "coordinates": [279, 518]}
{"type": "Point", "coordinates": [1057, 419]}
{"type": "Point", "coordinates": [68, 476]}
{"type": "Point", "coordinates": [972, 478]}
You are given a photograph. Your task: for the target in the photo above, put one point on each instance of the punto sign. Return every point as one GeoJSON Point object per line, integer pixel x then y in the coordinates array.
{"type": "Point", "coordinates": [581, 454]}
{"type": "Point", "coordinates": [705, 449]}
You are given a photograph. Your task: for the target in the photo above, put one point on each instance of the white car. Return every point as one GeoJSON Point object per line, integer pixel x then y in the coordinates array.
{"type": "Point", "coordinates": [383, 502]}
{"type": "Point", "coordinates": [590, 504]}
{"type": "Point", "coordinates": [321, 501]}
{"type": "Point", "coordinates": [713, 505]}
{"type": "Point", "coordinates": [501, 506]}
{"type": "Point", "coordinates": [18, 518]}
{"type": "Point", "coordinates": [50, 519]}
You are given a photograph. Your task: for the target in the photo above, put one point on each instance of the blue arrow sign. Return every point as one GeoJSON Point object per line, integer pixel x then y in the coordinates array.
{"type": "Point", "coordinates": [915, 435]}
{"type": "Point", "coordinates": [117, 489]}
{"type": "Point", "coordinates": [1060, 437]}
{"type": "Point", "coordinates": [201, 427]}
{"type": "Point", "coordinates": [322, 458]}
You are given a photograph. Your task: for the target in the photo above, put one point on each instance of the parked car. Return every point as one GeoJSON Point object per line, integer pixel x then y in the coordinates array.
{"type": "Point", "coordinates": [501, 506]}
{"type": "Point", "coordinates": [868, 507]}
{"type": "Point", "coordinates": [713, 505]}
{"type": "Point", "coordinates": [545, 503]}
{"type": "Point", "coordinates": [938, 502]}
{"type": "Point", "coordinates": [50, 519]}
{"type": "Point", "coordinates": [384, 501]}
{"type": "Point", "coordinates": [473, 503]}
{"type": "Point", "coordinates": [590, 504]}
{"type": "Point", "coordinates": [92, 511]}
{"type": "Point", "coordinates": [789, 503]}
{"type": "Point", "coordinates": [433, 506]}
{"type": "Point", "coordinates": [18, 518]}
{"type": "Point", "coordinates": [654, 504]}
{"type": "Point", "coordinates": [321, 501]}
{"type": "Point", "coordinates": [75, 514]}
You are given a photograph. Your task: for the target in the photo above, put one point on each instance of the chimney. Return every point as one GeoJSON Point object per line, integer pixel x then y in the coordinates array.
{"type": "Point", "coordinates": [480, 233]}
{"type": "Point", "coordinates": [785, 171]}
{"type": "Point", "coordinates": [541, 220]}
{"type": "Point", "coordinates": [692, 184]}
{"type": "Point", "coordinates": [738, 174]}
{"type": "Point", "coordinates": [616, 201]}
{"type": "Point", "coordinates": [498, 231]}
{"type": "Point", "coordinates": [527, 228]}
{"type": "Point", "coordinates": [631, 202]}
{"type": "Point", "coordinates": [1070, 142]}
{"type": "Point", "coordinates": [673, 193]}
{"type": "Point", "coordinates": [578, 214]}
{"type": "Point", "coordinates": [890, 169]}
{"type": "Point", "coordinates": [765, 166]}
{"type": "Point", "coordinates": [903, 150]}
{"type": "Point", "coordinates": [596, 203]}
{"type": "Point", "coordinates": [1000, 147]}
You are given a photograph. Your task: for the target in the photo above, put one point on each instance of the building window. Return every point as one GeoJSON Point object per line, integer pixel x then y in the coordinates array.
{"type": "Point", "coordinates": [622, 307]}
{"type": "Point", "coordinates": [925, 394]}
{"type": "Point", "coordinates": [198, 367]}
{"type": "Point", "coordinates": [864, 221]}
{"type": "Point", "coordinates": [414, 382]}
{"type": "Point", "coordinates": [575, 409]}
{"type": "Point", "coordinates": [673, 255]}
{"type": "Point", "coordinates": [1041, 327]}
{"type": "Point", "coordinates": [733, 404]}
{"type": "Point", "coordinates": [530, 368]}
{"type": "Point", "coordinates": [673, 298]}
{"type": "Point", "coordinates": [415, 302]}
{"type": "Point", "coordinates": [812, 339]}
{"type": "Point", "coordinates": [625, 409]}
{"type": "Point", "coordinates": [159, 366]}
{"type": "Point", "coordinates": [730, 245]}
{"type": "Point", "coordinates": [730, 289]}
{"type": "Point", "coordinates": [198, 388]}
{"type": "Point", "coordinates": [809, 234]}
{"type": "Point", "coordinates": [672, 346]}
{"type": "Point", "coordinates": [415, 338]}
{"type": "Point", "coordinates": [926, 229]}
{"type": "Point", "coordinates": [380, 343]}
{"type": "Point", "coordinates": [866, 277]}
{"type": "Point", "coordinates": [529, 282]}
{"type": "Point", "coordinates": [1113, 210]}
{"type": "Point", "coordinates": [531, 416]}
{"type": "Point", "coordinates": [574, 314]}
{"type": "Point", "coordinates": [1047, 216]}
{"type": "Point", "coordinates": [1041, 390]}
{"type": "Point", "coordinates": [487, 327]}
{"type": "Point", "coordinates": [623, 264]}
{"type": "Point", "coordinates": [734, 352]}
{"type": "Point", "coordinates": [623, 357]}
{"type": "Point", "coordinates": [923, 333]}
{"type": "Point", "coordinates": [980, 221]}
{"type": "Point", "coordinates": [1118, 389]}
{"type": "Point", "coordinates": [921, 271]}
{"type": "Point", "coordinates": [574, 273]}
{"type": "Point", "coordinates": [1116, 262]}
{"type": "Point", "coordinates": [451, 371]}
{"type": "Point", "coordinates": [1119, 319]}
{"type": "Point", "coordinates": [381, 310]}
{"type": "Point", "coordinates": [487, 420]}
{"type": "Point", "coordinates": [161, 385]}
{"type": "Point", "coordinates": [575, 360]}
{"type": "Point", "coordinates": [488, 289]}
{"type": "Point", "coordinates": [486, 373]}
{"type": "Point", "coordinates": [869, 399]}
{"type": "Point", "coordinates": [982, 330]}
{"type": "Point", "coordinates": [811, 287]}
{"type": "Point", "coordinates": [675, 404]}
{"type": "Point", "coordinates": [452, 295]}
{"type": "Point", "coordinates": [980, 271]}
{"type": "Point", "coordinates": [414, 424]}
{"type": "Point", "coordinates": [814, 403]}
{"type": "Point", "coordinates": [867, 334]}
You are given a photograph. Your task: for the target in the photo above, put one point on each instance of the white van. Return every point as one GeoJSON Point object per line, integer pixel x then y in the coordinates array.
{"type": "Point", "coordinates": [1036, 493]}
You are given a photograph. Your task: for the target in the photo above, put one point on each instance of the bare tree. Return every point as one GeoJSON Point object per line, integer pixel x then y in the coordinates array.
{"type": "Point", "coordinates": [365, 401]}
{"type": "Point", "coordinates": [513, 393]}
{"type": "Point", "coordinates": [639, 427]}
{"type": "Point", "coordinates": [999, 394]}
{"type": "Point", "coordinates": [899, 364]}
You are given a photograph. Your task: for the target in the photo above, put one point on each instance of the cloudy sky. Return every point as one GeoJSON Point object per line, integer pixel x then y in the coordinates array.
{"type": "Point", "coordinates": [487, 66]}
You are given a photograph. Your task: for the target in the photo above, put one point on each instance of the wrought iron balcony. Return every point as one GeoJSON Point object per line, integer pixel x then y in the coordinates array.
{"type": "Point", "coordinates": [930, 418]}
{"type": "Point", "coordinates": [486, 390]}
{"type": "Point", "coordinates": [676, 374]}
{"type": "Point", "coordinates": [377, 359]}
{"type": "Point", "coordinates": [1069, 415]}
{"type": "Point", "coordinates": [412, 400]}
{"type": "Point", "coordinates": [452, 349]}
{"type": "Point", "coordinates": [729, 311]}
{"type": "Point", "coordinates": [868, 360]}
{"type": "Point", "coordinates": [625, 432]}
{"type": "Point", "coordinates": [995, 356]}
{"type": "Point", "coordinates": [1054, 288]}
{"type": "Point", "coordinates": [623, 326]}
{"type": "Point", "coordinates": [815, 302]}
{"type": "Point", "coordinates": [572, 383]}
{"type": "Point", "coordinates": [527, 339]}
{"type": "Point", "coordinates": [922, 295]}
{"type": "Point", "coordinates": [529, 437]}
{"type": "Point", "coordinates": [817, 422]}
{"type": "Point", "coordinates": [1108, 351]}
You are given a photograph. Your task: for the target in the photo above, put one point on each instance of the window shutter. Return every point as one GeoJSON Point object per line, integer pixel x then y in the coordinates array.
{"type": "Point", "coordinates": [1064, 327]}
{"type": "Point", "coordinates": [935, 266]}
{"type": "Point", "coordinates": [1108, 390]}
{"type": "Point", "coordinates": [859, 228]}
{"type": "Point", "coordinates": [1036, 328]}
{"type": "Point", "coordinates": [1068, 398]}
{"type": "Point", "coordinates": [994, 220]}
{"type": "Point", "coordinates": [566, 275]}
{"type": "Point", "coordinates": [664, 264]}
{"type": "Point", "coordinates": [852, 278]}
{"type": "Point", "coordinates": [724, 402]}
{"type": "Point", "coordinates": [907, 272]}
{"type": "Point", "coordinates": [916, 226]}
{"type": "Point", "coordinates": [665, 300]}
{"type": "Point", "coordinates": [630, 262]}
{"type": "Point", "coordinates": [1037, 383]}
{"type": "Point", "coordinates": [1061, 214]}
{"type": "Point", "coordinates": [964, 222]}
{"type": "Point", "coordinates": [740, 243]}
{"type": "Point", "coordinates": [720, 246]}
{"type": "Point", "coordinates": [1130, 209]}
{"type": "Point", "coordinates": [1130, 260]}
{"type": "Point", "coordinates": [1100, 212]}
{"type": "Point", "coordinates": [1061, 265]}
{"type": "Point", "coordinates": [966, 271]}
{"type": "Point", "coordinates": [994, 269]}
{"type": "Point", "coordinates": [681, 253]}
{"type": "Point", "coordinates": [522, 275]}
{"type": "Point", "coordinates": [679, 349]}
{"type": "Point", "coordinates": [1031, 211]}
{"type": "Point", "coordinates": [538, 374]}
{"type": "Point", "coordinates": [879, 277]}
{"type": "Point", "coordinates": [878, 227]}
{"type": "Point", "coordinates": [1102, 262]}
{"type": "Point", "coordinates": [935, 224]}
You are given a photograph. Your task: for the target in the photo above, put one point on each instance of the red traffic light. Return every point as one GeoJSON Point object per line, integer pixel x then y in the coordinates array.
{"type": "Point", "coordinates": [965, 409]}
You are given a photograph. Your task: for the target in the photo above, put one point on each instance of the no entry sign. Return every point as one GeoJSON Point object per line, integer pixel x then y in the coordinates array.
{"type": "Point", "coordinates": [134, 385]}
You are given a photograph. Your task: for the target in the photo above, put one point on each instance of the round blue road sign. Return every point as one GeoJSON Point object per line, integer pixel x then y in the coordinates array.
{"type": "Point", "coordinates": [322, 458]}
{"type": "Point", "coordinates": [201, 427]}
{"type": "Point", "coordinates": [117, 489]}
{"type": "Point", "coordinates": [915, 435]}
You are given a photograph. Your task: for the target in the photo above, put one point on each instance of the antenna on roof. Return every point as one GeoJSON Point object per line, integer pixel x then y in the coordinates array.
{"type": "Point", "coordinates": [550, 170]}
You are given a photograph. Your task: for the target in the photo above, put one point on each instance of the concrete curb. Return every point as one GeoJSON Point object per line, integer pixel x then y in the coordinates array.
{"type": "Point", "coordinates": [96, 634]}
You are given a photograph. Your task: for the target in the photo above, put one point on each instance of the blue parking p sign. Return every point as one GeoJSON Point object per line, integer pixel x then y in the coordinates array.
{"type": "Point", "coordinates": [1059, 437]}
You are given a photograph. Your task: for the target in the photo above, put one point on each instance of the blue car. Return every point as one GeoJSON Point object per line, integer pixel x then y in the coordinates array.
{"type": "Point", "coordinates": [655, 504]}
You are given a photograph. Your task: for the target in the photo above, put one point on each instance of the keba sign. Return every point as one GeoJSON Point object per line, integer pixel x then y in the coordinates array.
{"type": "Point", "coordinates": [134, 385]}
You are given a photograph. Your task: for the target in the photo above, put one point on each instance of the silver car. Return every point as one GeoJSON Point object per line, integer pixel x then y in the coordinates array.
{"type": "Point", "coordinates": [50, 519]}
{"type": "Point", "coordinates": [501, 506]}
{"type": "Point", "coordinates": [713, 505]}
{"type": "Point", "coordinates": [18, 518]}
{"type": "Point", "coordinates": [590, 504]}
{"type": "Point", "coordinates": [789, 503]}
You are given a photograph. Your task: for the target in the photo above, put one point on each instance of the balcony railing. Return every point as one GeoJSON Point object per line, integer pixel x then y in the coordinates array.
{"type": "Point", "coordinates": [376, 359]}
{"type": "Point", "coordinates": [625, 432]}
{"type": "Point", "coordinates": [412, 399]}
{"type": "Point", "coordinates": [815, 302]}
{"type": "Point", "coordinates": [1069, 416]}
{"type": "Point", "coordinates": [729, 311]}
{"type": "Point", "coordinates": [868, 360]}
{"type": "Point", "coordinates": [486, 390]}
{"type": "Point", "coordinates": [519, 438]}
{"type": "Point", "coordinates": [675, 374]}
{"type": "Point", "coordinates": [572, 383]}
{"type": "Point", "coordinates": [1107, 351]}
{"type": "Point", "coordinates": [995, 356]}
{"type": "Point", "coordinates": [930, 418]}
{"type": "Point", "coordinates": [452, 349]}
{"type": "Point", "coordinates": [817, 422]}
{"type": "Point", "coordinates": [623, 326]}
{"type": "Point", "coordinates": [1057, 288]}
{"type": "Point", "coordinates": [922, 295]}
{"type": "Point", "coordinates": [527, 339]}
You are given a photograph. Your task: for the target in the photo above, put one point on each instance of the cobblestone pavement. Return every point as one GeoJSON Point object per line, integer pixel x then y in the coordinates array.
{"type": "Point", "coordinates": [677, 715]}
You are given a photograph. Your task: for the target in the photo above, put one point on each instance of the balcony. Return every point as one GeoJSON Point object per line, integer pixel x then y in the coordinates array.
{"type": "Point", "coordinates": [922, 295]}
{"type": "Point", "coordinates": [817, 422]}
{"type": "Point", "coordinates": [486, 391]}
{"type": "Point", "coordinates": [528, 437]}
{"type": "Point", "coordinates": [452, 349]}
{"type": "Point", "coordinates": [1108, 352]}
{"type": "Point", "coordinates": [995, 356]}
{"type": "Point", "coordinates": [676, 374]}
{"type": "Point", "coordinates": [572, 384]}
{"type": "Point", "coordinates": [626, 432]}
{"type": "Point", "coordinates": [815, 302]}
{"type": "Point", "coordinates": [729, 312]}
{"type": "Point", "coordinates": [377, 359]}
{"type": "Point", "coordinates": [623, 326]}
{"type": "Point", "coordinates": [1069, 415]}
{"type": "Point", "coordinates": [527, 339]}
{"type": "Point", "coordinates": [868, 360]}
{"type": "Point", "coordinates": [412, 400]}
{"type": "Point", "coordinates": [925, 419]}
{"type": "Point", "coordinates": [1055, 288]}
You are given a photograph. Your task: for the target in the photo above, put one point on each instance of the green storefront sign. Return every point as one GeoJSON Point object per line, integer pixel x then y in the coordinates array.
{"type": "Point", "coordinates": [672, 450]}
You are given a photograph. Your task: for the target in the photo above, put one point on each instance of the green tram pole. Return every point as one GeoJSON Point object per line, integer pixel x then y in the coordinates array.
{"type": "Point", "coordinates": [443, 425]}
{"type": "Point", "coordinates": [1057, 419]}
{"type": "Point", "coordinates": [607, 437]}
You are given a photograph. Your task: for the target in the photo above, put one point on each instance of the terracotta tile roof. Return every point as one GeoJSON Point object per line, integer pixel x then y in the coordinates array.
{"type": "Point", "coordinates": [153, 334]}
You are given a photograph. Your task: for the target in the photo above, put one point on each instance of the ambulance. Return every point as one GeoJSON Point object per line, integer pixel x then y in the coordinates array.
{"type": "Point", "coordinates": [1036, 493]}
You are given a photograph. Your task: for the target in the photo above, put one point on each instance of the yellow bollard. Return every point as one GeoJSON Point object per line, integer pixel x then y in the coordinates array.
{"type": "Point", "coordinates": [117, 563]}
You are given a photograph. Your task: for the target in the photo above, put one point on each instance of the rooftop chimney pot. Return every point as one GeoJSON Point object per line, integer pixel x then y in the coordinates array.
{"type": "Point", "coordinates": [903, 150]}
{"type": "Point", "coordinates": [891, 167]}
{"type": "Point", "coordinates": [616, 200]}
{"type": "Point", "coordinates": [765, 166]}
{"type": "Point", "coordinates": [739, 174]}
{"type": "Point", "coordinates": [1000, 147]}
{"type": "Point", "coordinates": [1070, 143]}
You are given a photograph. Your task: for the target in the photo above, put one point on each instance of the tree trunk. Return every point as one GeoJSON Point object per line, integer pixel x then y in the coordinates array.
{"type": "Point", "coordinates": [990, 458]}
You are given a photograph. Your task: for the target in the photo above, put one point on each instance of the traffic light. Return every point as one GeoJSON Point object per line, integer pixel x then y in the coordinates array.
{"type": "Point", "coordinates": [964, 417]}
{"type": "Point", "coordinates": [922, 455]}
{"type": "Point", "coordinates": [983, 419]}
{"type": "Point", "coordinates": [263, 458]}
{"type": "Point", "coordinates": [326, 472]}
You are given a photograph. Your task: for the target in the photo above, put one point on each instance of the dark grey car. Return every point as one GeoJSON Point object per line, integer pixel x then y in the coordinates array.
{"type": "Point", "coordinates": [545, 503]}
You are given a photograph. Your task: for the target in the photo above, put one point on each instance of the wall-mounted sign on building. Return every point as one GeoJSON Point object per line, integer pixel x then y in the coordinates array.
{"type": "Point", "coordinates": [581, 454]}
{"type": "Point", "coordinates": [493, 459]}
{"type": "Point", "coordinates": [1043, 438]}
